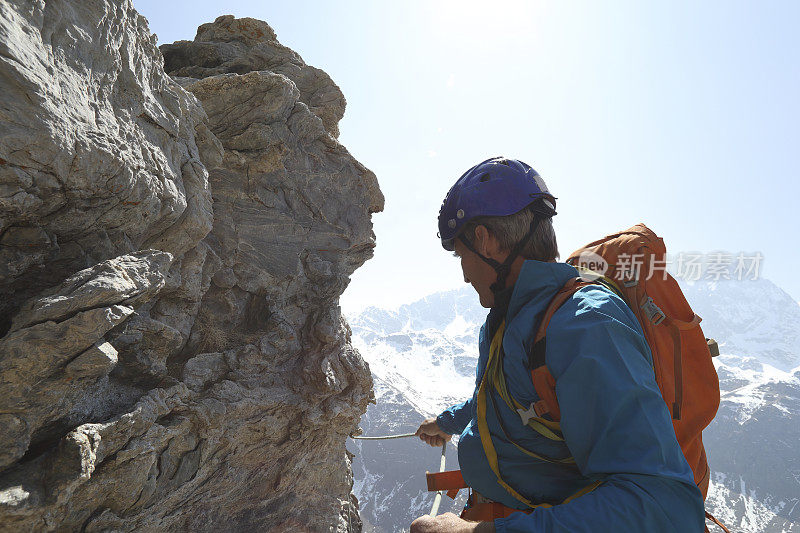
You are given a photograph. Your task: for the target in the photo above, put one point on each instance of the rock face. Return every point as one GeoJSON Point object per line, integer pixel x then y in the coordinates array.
{"type": "Point", "coordinates": [172, 354]}
{"type": "Point", "coordinates": [238, 46]}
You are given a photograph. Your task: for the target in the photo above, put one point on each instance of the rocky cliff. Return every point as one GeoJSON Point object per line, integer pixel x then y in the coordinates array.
{"type": "Point", "coordinates": [172, 354]}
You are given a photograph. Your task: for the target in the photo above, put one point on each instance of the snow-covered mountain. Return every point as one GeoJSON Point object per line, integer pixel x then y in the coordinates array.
{"type": "Point", "coordinates": [422, 358]}
{"type": "Point", "coordinates": [427, 349]}
{"type": "Point", "coordinates": [390, 474]}
{"type": "Point", "coordinates": [423, 355]}
{"type": "Point", "coordinates": [752, 318]}
{"type": "Point", "coordinates": [752, 447]}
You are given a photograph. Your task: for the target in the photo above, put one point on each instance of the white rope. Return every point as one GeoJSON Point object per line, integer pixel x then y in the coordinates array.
{"type": "Point", "coordinates": [385, 437]}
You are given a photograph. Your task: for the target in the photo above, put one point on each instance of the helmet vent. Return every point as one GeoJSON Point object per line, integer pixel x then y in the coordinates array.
{"type": "Point", "coordinates": [503, 162]}
{"type": "Point", "coordinates": [486, 177]}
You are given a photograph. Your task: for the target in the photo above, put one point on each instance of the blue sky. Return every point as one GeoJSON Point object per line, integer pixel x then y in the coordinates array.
{"type": "Point", "coordinates": [681, 115]}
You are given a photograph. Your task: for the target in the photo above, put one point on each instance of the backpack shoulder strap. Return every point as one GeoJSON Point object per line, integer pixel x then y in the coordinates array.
{"type": "Point", "coordinates": [543, 381]}
{"type": "Point", "coordinates": [569, 288]}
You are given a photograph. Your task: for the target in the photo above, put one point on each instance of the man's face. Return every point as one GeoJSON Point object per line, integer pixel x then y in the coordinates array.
{"type": "Point", "coordinates": [477, 272]}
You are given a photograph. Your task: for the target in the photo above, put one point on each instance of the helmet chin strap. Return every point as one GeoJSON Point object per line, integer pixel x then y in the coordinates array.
{"type": "Point", "coordinates": [504, 268]}
{"type": "Point", "coordinates": [541, 211]}
{"type": "Point", "coordinates": [502, 295]}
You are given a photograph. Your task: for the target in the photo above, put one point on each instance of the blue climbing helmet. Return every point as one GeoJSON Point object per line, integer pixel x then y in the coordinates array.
{"type": "Point", "coordinates": [495, 187]}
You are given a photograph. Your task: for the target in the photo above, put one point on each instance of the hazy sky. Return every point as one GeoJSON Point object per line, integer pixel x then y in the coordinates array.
{"type": "Point", "coordinates": [681, 115]}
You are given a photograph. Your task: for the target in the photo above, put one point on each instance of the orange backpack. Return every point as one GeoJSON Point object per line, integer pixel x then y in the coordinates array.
{"type": "Point", "coordinates": [632, 264]}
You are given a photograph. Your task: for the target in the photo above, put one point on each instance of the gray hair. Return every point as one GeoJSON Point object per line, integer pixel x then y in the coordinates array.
{"type": "Point", "coordinates": [511, 229]}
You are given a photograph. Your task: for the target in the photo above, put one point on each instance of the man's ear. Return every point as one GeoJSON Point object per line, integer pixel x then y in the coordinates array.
{"type": "Point", "coordinates": [485, 242]}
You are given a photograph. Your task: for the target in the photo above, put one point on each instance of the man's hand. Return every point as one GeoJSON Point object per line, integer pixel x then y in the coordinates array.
{"type": "Point", "coordinates": [429, 432]}
{"type": "Point", "coordinates": [449, 523]}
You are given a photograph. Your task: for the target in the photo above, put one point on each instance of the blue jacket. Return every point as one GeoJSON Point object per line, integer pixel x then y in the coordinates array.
{"type": "Point", "coordinates": [614, 421]}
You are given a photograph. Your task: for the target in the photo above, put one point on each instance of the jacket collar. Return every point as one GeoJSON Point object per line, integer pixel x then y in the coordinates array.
{"type": "Point", "coordinates": [536, 285]}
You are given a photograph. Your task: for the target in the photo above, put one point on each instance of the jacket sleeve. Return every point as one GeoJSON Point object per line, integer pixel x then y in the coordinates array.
{"type": "Point", "coordinates": [454, 419]}
{"type": "Point", "coordinates": [616, 426]}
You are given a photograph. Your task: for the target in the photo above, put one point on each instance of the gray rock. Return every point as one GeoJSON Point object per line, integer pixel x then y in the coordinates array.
{"type": "Point", "coordinates": [166, 364]}
{"type": "Point", "coordinates": [100, 151]}
{"type": "Point", "coordinates": [130, 279]}
{"type": "Point", "coordinates": [231, 45]}
{"type": "Point", "coordinates": [291, 223]}
{"type": "Point", "coordinates": [55, 349]}
{"type": "Point", "coordinates": [95, 362]}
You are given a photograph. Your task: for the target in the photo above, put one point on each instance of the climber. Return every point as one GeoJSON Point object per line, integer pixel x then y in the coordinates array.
{"type": "Point", "coordinates": [613, 463]}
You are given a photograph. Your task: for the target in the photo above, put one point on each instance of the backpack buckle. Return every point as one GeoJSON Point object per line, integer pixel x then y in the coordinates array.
{"type": "Point", "coordinates": [527, 414]}
{"type": "Point", "coordinates": [653, 312]}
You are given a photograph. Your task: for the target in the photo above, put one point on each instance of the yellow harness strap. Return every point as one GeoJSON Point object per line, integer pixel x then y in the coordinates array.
{"type": "Point", "coordinates": [493, 368]}
{"type": "Point", "coordinates": [547, 428]}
